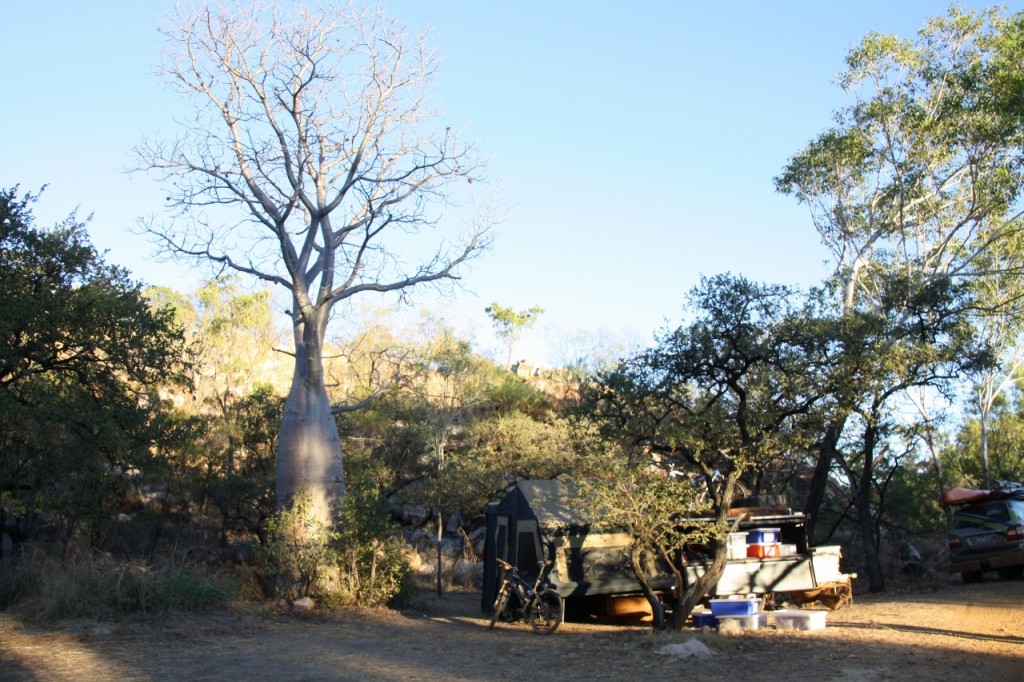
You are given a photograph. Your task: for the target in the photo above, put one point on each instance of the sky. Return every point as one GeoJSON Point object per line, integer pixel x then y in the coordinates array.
{"type": "Point", "coordinates": [632, 145]}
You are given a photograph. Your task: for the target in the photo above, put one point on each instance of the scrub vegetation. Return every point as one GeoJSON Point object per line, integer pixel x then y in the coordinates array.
{"type": "Point", "coordinates": [164, 450]}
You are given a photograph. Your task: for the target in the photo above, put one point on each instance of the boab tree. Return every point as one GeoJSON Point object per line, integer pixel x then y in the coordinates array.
{"type": "Point", "coordinates": [311, 163]}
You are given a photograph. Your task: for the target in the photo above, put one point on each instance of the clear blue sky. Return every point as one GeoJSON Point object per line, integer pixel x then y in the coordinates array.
{"type": "Point", "coordinates": [634, 147]}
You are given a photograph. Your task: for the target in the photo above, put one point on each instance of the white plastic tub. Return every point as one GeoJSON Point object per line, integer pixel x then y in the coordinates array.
{"type": "Point", "coordinates": [799, 619]}
{"type": "Point", "coordinates": [737, 547]}
{"type": "Point", "coordinates": [752, 622]}
{"type": "Point", "coordinates": [825, 562]}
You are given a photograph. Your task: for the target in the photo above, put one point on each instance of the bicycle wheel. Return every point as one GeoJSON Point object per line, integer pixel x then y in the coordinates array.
{"type": "Point", "coordinates": [499, 605]}
{"type": "Point", "coordinates": [546, 612]}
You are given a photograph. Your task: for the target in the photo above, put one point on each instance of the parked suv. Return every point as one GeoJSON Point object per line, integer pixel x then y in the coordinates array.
{"type": "Point", "coordinates": [988, 535]}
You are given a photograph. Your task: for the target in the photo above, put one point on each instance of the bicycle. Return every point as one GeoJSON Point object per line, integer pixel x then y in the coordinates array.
{"type": "Point", "coordinates": [542, 608]}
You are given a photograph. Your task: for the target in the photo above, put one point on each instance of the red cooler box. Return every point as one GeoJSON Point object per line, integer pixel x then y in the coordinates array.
{"type": "Point", "coordinates": [765, 550]}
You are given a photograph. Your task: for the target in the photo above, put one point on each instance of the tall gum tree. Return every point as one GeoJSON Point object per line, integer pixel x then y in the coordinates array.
{"type": "Point", "coordinates": [1000, 322]}
{"type": "Point", "coordinates": [912, 189]}
{"type": "Point", "coordinates": [314, 162]}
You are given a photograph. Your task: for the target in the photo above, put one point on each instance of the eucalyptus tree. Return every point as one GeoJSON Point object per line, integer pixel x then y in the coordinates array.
{"type": "Point", "coordinates": [1005, 434]}
{"type": "Point", "coordinates": [315, 163]}
{"type": "Point", "coordinates": [922, 173]}
{"type": "Point", "coordinates": [884, 354]}
{"type": "Point", "coordinates": [1000, 323]}
{"type": "Point", "coordinates": [911, 190]}
{"type": "Point", "coordinates": [510, 324]}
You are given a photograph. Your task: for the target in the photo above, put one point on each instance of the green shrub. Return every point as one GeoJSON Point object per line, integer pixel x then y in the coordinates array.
{"type": "Point", "coordinates": [363, 564]}
{"type": "Point", "coordinates": [301, 551]}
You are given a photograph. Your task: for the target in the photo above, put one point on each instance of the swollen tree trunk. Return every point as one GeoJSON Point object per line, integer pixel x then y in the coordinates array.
{"type": "Point", "coordinates": [309, 447]}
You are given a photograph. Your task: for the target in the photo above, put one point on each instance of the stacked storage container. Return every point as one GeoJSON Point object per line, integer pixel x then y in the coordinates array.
{"type": "Point", "coordinates": [764, 543]}
{"type": "Point", "coordinates": [737, 545]}
{"type": "Point", "coordinates": [744, 612]}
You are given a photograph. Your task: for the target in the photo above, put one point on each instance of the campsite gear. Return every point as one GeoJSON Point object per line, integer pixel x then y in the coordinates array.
{"type": "Point", "coordinates": [542, 608]}
{"type": "Point", "coordinates": [534, 520]}
{"type": "Point", "coordinates": [1000, 490]}
{"type": "Point", "coordinates": [958, 496]}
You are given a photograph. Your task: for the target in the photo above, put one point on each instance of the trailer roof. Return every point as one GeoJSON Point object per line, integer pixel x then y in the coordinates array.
{"type": "Point", "coordinates": [550, 501]}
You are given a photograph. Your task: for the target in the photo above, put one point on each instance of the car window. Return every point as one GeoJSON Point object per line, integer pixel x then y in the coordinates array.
{"type": "Point", "coordinates": [964, 520]}
{"type": "Point", "coordinates": [994, 511]}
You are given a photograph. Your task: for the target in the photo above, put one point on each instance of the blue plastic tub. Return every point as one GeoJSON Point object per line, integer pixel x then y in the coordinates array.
{"type": "Point", "coordinates": [764, 536]}
{"type": "Point", "coordinates": [735, 607]}
{"type": "Point", "coordinates": [703, 619]}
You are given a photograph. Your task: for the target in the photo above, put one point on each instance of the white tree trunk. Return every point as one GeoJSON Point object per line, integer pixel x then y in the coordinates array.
{"type": "Point", "coordinates": [309, 447]}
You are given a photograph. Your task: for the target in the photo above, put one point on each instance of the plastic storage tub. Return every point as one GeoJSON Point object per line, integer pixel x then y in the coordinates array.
{"type": "Point", "coordinates": [752, 622]}
{"type": "Point", "coordinates": [762, 536]}
{"type": "Point", "coordinates": [825, 562]}
{"type": "Point", "coordinates": [799, 619]}
{"type": "Point", "coordinates": [735, 607]}
{"type": "Point", "coordinates": [737, 546]}
{"type": "Point", "coordinates": [703, 619]}
{"type": "Point", "coordinates": [765, 550]}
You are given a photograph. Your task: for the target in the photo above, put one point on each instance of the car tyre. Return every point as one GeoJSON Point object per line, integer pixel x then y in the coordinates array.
{"type": "Point", "coordinates": [970, 577]}
{"type": "Point", "coordinates": [1011, 573]}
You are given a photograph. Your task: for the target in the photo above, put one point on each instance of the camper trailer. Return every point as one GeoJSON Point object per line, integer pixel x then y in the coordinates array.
{"type": "Point", "coordinates": [536, 520]}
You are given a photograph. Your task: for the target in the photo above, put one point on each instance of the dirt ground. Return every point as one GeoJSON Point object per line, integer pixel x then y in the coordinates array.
{"type": "Point", "coordinates": [944, 631]}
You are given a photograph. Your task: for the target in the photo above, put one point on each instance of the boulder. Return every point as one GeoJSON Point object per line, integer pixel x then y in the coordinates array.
{"type": "Point", "coordinates": [690, 650]}
{"type": "Point", "coordinates": [413, 516]}
{"type": "Point", "coordinates": [303, 604]}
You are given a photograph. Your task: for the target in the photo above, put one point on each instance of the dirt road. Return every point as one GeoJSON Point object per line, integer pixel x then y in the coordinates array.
{"type": "Point", "coordinates": [950, 632]}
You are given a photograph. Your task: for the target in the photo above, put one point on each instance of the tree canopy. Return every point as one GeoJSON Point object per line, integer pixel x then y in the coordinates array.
{"type": "Point", "coordinates": [510, 324]}
{"type": "Point", "coordinates": [82, 354]}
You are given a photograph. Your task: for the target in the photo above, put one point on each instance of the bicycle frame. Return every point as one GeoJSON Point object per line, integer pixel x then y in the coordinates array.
{"type": "Point", "coordinates": [522, 589]}
{"type": "Point", "coordinates": [542, 608]}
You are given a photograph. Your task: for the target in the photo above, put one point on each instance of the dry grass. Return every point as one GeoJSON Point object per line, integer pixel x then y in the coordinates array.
{"type": "Point", "coordinates": [938, 630]}
{"type": "Point", "coordinates": [39, 588]}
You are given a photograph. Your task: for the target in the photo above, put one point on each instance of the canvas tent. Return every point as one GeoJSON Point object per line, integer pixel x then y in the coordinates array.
{"type": "Point", "coordinates": [535, 521]}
